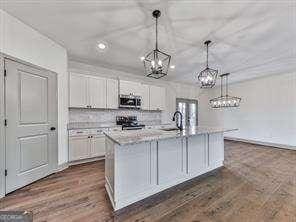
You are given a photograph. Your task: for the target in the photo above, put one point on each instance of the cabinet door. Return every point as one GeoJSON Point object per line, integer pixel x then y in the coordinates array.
{"type": "Point", "coordinates": [79, 148]}
{"type": "Point", "coordinates": [97, 92]}
{"type": "Point", "coordinates": [129, 87]}
{"type": "Point", "coordinates": [145, 97]}
{"type": "Point", "coordinates": [112, 93]}
{"type": "Point", "coordinates": [157, 98]}
{"type": "Point", "coordinates": [78, 90]}
{"type": "Point", "coordinates": [98, 146]}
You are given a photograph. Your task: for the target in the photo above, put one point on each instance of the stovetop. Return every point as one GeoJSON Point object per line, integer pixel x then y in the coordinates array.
{"type": "Point", "coordinates": [129, 122]}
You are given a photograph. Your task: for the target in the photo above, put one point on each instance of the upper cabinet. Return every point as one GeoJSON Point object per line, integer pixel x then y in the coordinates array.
{"type": "Point", "coordinates": [93, 92]}
{"type": "Point", "coordinates": [97, 92]}
{"type": "Point", "coordinates": [112, 94]}
{"type": "Point", "coordinates": [145, 93]}
{"type": "Point", "coordinates": [78, 91]}
{"type": "Point", "coordinates": [157, 98]}
{"type": "Point", "coordinates": [129, 87]}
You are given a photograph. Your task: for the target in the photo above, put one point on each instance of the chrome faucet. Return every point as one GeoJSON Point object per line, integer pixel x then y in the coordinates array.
{"type": "Point", "coordinates": [181, 120]}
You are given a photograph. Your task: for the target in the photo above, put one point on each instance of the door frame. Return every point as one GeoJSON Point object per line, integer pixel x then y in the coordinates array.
{"type": "Point", "coordinates": [188, 101]}
{"type": "Point", "coordinates": [4, 56]}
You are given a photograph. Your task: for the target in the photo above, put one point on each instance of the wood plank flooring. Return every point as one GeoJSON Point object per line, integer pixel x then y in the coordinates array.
{"type": "Point", "coordinates": [257, 184]}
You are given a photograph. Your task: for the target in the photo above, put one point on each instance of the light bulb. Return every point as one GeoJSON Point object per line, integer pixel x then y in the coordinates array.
{"type": "Point", "coordinates": [159, 62]}
{"type": "Point", "coordinates": [153, 63]}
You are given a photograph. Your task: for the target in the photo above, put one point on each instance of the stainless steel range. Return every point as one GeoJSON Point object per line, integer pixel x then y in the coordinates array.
{"type": "Point", "coordinates": [129, 123]}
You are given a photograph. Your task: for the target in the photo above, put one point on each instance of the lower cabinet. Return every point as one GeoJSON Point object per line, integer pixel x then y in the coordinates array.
{"type": "Point", "coordinates": [79, 148]}
{"type": "Point", "coordinates": [97, 146]}
{"type": "Point", "coordinates": [84, 147]}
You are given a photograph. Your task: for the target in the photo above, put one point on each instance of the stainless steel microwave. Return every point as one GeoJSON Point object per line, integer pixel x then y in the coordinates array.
{"type": "Point", "coordinates": [130, 101]}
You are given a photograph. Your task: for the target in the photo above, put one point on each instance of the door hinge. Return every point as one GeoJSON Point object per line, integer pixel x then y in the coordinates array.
{"type": "Point", "coordinates": [5, 122]}
{"type": "Point", "coordinates": [5, 172]}
{"type": "Point", "coordinates": [5, 73]}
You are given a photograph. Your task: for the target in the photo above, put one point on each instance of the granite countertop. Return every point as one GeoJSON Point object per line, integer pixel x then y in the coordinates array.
{"type": "Point", "coordinates": [96, 125]}
{"type": "Point", "coordinates": [146, 135]}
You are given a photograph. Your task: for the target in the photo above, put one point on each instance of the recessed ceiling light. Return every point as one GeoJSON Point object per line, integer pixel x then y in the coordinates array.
{"type": "Point", "coordinates": [142, 58]}
{"type": "Point", "coordinates": [101, 46]}
{"type": "Point", "coordinates": [172, 66]}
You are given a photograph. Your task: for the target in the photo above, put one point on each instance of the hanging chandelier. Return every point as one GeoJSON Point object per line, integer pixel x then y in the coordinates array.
{"type": "Point", "coordinates": [225, 101]}
{"type": "Point", "coordinates": [156, 62]}
{"type": "Point", "coordinates": [208, 76]}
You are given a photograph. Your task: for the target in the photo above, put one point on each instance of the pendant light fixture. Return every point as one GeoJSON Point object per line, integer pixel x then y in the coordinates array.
{"type": "Point", "coordinates": [207, 77]}
{"type": "Point", "coordinates": [156, 62]}
{"type": "Point", "coordinates": [225, 101]}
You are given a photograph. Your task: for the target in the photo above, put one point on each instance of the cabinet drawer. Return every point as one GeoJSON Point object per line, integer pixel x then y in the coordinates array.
{"type": "Point", "coordinates": [79, 132]}
{"type": "Point", "coordinates": [99, 131]}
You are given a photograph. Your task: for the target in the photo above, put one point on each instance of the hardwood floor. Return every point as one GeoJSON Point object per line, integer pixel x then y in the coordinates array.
{"type": "Point", "coordinates": [257, 184]}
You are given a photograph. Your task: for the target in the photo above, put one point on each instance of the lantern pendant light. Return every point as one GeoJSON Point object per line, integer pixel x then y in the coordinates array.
{"type": "Point", "coordinates": [207, 77]}
{"type": "Point", "coordinates": [156, 62]}
{"type": "Point", "coordinates": [225, 101]}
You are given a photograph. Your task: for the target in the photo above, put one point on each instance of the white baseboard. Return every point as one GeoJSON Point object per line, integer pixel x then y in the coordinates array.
{"type": "Point", "coordinates": [61, 167]}
{"type": "Point", "coordinates": [277, 145]}
{"type": "Point", "coordinates": [86, 160]}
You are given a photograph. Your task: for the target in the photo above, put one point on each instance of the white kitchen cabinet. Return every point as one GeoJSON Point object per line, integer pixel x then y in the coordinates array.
{"type": "Point", "coordinates": [78, 91]}
{"type": "Point", "coordinates": [97, 146]}
{"type": "Point", "coordinates": [157, 98]}
{"type": "Point", "coordinates": [112, 93]}
{"type": "Point", "coordinates": [79, 148]}
{"type": "Point", "coordinates": [97, 92]}
{"type": "Point", "coordinates": [145, 97]}
{"type": "Point", "coordinates": [93, 92]}
{"type": "Point", "coordinates": [86, 143]}
{"type": "Point", "coordinates": [129, 87]}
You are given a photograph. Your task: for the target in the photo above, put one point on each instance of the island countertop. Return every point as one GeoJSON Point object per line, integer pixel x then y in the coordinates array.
{"type": "Point", "coordinates": [145, 135]}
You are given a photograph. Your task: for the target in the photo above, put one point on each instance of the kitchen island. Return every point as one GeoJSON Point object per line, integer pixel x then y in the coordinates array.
{"type": "Point", "coordinates": [141, 163]}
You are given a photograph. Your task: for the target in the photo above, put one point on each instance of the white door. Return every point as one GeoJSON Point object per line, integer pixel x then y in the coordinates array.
{"type": "Point", "coordinates": [78, 91]}
{"type": "Point", "coordinates": [31, 113]}
{"type": "Point", "coordinates": [79, 148]}
{"type": "Point", "coordinates": [112, 93]}
{"type": "Point", "coordinates": [98, 146]}
{"type": "Point", "coordinates": [97, 92]}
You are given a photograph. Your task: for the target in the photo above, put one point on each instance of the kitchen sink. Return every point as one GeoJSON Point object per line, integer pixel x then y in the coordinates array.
{"type": "Point", "coordinates": [170, 129]}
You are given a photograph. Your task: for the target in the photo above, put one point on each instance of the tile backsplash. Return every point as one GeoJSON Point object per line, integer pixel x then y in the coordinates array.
{"type": "Point", "coordinates": [109, 116]}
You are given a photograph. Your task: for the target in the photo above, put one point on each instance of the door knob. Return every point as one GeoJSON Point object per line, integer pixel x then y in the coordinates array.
{"type": "Point", "coordinates": [52, 128]}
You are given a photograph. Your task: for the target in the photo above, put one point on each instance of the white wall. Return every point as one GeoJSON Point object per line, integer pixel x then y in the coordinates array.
{"type": "Point", "coordinates": [267, 113]}
{"type": "Point", "coordinates": [23, 42]}
{"type": "Point", "coordinates": [173, 90]}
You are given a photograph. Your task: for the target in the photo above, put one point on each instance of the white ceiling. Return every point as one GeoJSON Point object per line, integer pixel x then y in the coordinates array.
{"type": "Point", "coordinates": [250, 38]}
